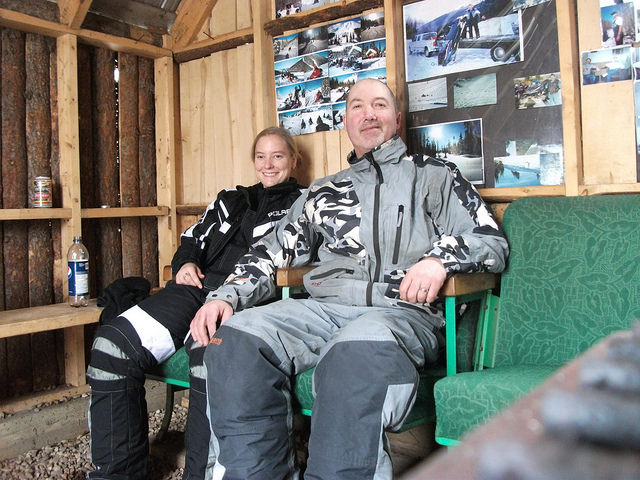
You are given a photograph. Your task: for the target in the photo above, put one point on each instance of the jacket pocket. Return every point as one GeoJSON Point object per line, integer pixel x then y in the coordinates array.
{"type": "Point", "coordinates": [396, 245]}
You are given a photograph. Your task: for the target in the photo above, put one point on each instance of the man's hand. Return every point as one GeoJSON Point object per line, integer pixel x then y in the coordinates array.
{"type": "Point", "coordinates": [189, 274]}
{"type": "Point", "coordinates": [423, 281]}
{"type": "Point", "coordinates": [203, 325]}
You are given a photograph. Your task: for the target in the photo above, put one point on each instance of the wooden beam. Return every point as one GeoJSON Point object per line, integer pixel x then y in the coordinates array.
{"type": "Point", "coordinates": [73, 12]}
{"type": "Point", "coordinates": [216, 44]}
{"type": "Point", "coordinates": [191, 16]}
{"type": "Point", "coordinates": [140, 14]}
{"type": "Point", "coordinates": [394, 28]}
{"type": "Point", "coordinates": [26, 23]}
{"type": "Point", "coordinates": [326, 13]}
{"type": "Point", "coordinates": [511, 193]}
{"type": "Point", "coordinates": [154, 211]}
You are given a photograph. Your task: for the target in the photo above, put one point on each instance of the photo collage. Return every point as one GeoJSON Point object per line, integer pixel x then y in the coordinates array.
{"type": "Point", "coordinates": [446, 40]}
{"type": "Point", "coordinates": [315, 68]}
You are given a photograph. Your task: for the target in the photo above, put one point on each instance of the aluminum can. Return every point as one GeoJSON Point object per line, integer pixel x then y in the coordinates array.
{"type": "Point", "coordinates": [42, 188]}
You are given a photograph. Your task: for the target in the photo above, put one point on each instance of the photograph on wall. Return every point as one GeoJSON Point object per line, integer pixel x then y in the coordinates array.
{"type": "Point", "coordinates": [372, 26]}
{"type": "Point", "coordinates": [537, 91]}
{"type": "Point", "coordinates": [285, 47]}
{"type": "Point", "coordinates": [309, 4]}
{"type": "Point", "coordinates": [313, 40]}
{"type": "Point", "coordinates": [307, 120]}
{"type": "Point", "coordinates": [475, 91]}
{"type": "Point", "coordinates": [528, 164]}
{"type": "Point", "coordinates": [287, 7]}
{"type": "Point", "coordinates": [428, 95]}
{"type": "Point", "coordinates": [344, 33]}
{"type": "Point", "coordinates": [448, 36]}
{"type": "Point", "coordinates": [606, 65]}
{"type": "Point", "coordinates": [456, 142]}
{"type": "Point", "coordinates": [328, 62]}
{"type": "Point", "coordinates": [618, 22]}
{"type": "Point", "coordinates": [522, 4]}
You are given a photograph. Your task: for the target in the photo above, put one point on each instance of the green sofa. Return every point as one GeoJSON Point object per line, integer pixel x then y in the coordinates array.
{"type": "Point", "coordinates": [573, 277]}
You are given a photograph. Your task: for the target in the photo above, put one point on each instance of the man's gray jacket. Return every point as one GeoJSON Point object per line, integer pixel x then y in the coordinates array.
{"type": "Point", "coordinates": [366, 225]}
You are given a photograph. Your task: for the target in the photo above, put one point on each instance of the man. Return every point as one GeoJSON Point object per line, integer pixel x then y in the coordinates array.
{"type": "Point", "coordinates": [385, 232]}
{"type": "Point", "coordinates": [473, 16]}
{"type": "Point", "coordinates": [618, 29]}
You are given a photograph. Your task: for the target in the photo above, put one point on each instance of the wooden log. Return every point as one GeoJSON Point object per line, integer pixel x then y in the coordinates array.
{"type": "Point", "coordinates": [129, 173]}
{"type": "Point", "coordinates": [107, 251]}
{"type": "Point", "coordinates": [4, 375]}
{"type": "Point", "coordinates": [14, 195]}
{"type": "Point", "coordinates": [147, 168]}
{"type": "Point", "coordinates": [38, 143]}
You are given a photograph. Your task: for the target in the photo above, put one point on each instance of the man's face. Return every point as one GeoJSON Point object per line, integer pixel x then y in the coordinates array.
{"type": "Point", "coordinates": [371, 118]}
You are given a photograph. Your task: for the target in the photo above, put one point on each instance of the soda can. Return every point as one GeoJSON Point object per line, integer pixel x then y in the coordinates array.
{"type": "Point", "coordinates": [42, 192]}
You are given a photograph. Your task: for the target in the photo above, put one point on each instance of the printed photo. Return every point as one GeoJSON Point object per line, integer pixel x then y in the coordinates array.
{"type": "Point", "coordinates": [606, 65]}
{"type": "Point", "coordinates": [307, 120]}
{"type": "Point", "coordinates": [372, 26]}
{"type": "Point", "coordinates": [312, 40]}
{"type": "Point", "coordinates": [456, 142]}
{"type": "Point", "coordinates": [287, 7]}
{"type": "Point", "coordinates": [617, 19]}
{"type": "Point", "coordinates": [340, 86]}
{"type": "Point", "coordinates": [285, 47]}
{"type": "Point", "coordinates": [448, 36]}
{"type": "Point", "coordinates": [345, 59]}
{"type": "Point", "coordinates": [374, 54]}
{"type": "Point", "coordinates": [302, 95]}
{"type": "Point", "coordinates": [522, 4]}
{"type": "Point", "coordinates": [301, 69]}
{"type": "Point", "coordinates": [529, 164]}
{"type": "Point", "coordinates": [537, 91]}
{"type": "Point", "coordinates": [428, 95]}
{"type": "Point", "coordinates": [344, 33]}
{"type": "Point", "coordinates": [309, 4]}
{"type": "Point", "coordinates": [338, 115]}
{"type": "Point", "coordinates": [376, 74]}
{"type": "Point", "coordinates": [475, 91]}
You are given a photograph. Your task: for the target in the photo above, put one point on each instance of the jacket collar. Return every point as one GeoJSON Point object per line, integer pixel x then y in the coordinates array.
{"type": "Point", "coordinates": [390, 151]}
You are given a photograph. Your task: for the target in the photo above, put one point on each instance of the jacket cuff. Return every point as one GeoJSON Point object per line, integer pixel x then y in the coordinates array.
{"type": "Point", "coordinates": [226, 294]}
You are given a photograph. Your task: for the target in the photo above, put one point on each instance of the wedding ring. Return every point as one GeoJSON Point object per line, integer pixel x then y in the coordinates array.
{"type": "Point", "coordinates": [186, 275]}
{"type": "Point", "coordinates": [423, 290]}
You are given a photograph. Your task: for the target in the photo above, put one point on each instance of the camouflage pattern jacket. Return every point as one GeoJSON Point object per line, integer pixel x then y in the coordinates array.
{"type": "Point", "coordinates": [366, 225]}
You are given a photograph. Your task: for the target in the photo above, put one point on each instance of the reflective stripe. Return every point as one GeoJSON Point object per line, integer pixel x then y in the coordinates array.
{"type": "Point", "coordinates": [224, 228]}
{"type": "Point", "coordinates": [262, 230]}
{"type": "Point", "coordinates": [153, 335]}
{"type": "Point", "coordinates": [97, 374]}
{"type": "Point", "coordinates": [107, 346]}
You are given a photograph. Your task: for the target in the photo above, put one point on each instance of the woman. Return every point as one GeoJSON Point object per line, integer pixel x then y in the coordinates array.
{"type": "Point", "coordinates": [150, 332]}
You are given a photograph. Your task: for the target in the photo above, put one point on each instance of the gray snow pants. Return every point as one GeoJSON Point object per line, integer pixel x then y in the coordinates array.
{"type": "Point", "coordinates": [365, 383]}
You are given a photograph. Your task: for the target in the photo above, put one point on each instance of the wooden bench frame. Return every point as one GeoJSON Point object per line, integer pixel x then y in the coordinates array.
{"type": "Point", "coordinates": [44, 318]}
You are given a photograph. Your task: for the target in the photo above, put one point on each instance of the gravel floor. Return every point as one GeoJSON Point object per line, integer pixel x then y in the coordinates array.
{"type": "Point", "coordinates": [70, 460]}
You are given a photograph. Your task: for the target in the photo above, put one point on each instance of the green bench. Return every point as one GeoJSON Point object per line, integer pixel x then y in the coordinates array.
{"type": "Point", "coordinates": [573, 277]}
{"type": "Point", "coordinates": [461, 353]}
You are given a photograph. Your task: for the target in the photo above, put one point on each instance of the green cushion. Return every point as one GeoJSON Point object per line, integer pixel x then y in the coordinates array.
{"type": "Point", "coordinates": [572, 277]}
{"type": "Point", "coordinates": [469, 399]}
{"type": "Point", "coordinates": [174, 370]}
{"type": "Point", "coordinates": [423, 410]}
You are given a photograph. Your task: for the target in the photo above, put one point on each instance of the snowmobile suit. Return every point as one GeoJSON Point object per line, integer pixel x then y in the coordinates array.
{"type": "Point", "coordinates": [148, 333]}
{"type": "Point", "coordinates": [365, 226]}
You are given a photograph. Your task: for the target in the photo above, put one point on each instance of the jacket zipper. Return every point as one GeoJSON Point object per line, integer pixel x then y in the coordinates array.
{"type": "Point", "coordinates": [396, 247]}
{"type": "Point", "coordinates": [376, 228]}
{"type": "Point", "coordinates": [333, 271]}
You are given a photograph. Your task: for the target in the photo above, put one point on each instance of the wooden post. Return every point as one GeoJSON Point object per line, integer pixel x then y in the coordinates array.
{"type": "Point", "coordinates": [264, 81]}
{"type": "Point", "coordinates": [395, 56]}
{"type": "Point", "coordinates": [129, 173]}
{"type": "Point", "coordinates": [38, 133]}
{"type": "Point", "coordinates": [108, 252]}
{"type": "Point", "coordinates": [14, 195]}
{"type": "Point", "coordinates": [167, 134]}
{"type": "Point", "coordinates": [147, 162]}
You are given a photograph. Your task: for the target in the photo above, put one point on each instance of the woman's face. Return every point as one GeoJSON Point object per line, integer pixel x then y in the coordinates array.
{"type": "Point", "coordinates": [273, 161]}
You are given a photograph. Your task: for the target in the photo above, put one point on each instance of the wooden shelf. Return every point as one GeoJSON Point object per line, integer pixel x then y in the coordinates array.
{"type": "Point", "coordinates": [510, 194]}
{"type": "Point", "coordinates": [611, 188]}
{"type": "Point", "coordinates": [119, 212]}
{"type": "Point", "coordinates": [34, 213]}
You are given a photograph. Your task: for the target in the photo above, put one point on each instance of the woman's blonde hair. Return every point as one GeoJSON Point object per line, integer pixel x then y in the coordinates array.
{"type": "Point", "coordinates": [284, 135]}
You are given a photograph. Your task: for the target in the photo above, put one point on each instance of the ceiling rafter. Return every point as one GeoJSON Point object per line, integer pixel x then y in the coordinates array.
{"type": "Point", "coordinates": [73, 12]}
{"type": "Point", "coordinates": [191, 16]}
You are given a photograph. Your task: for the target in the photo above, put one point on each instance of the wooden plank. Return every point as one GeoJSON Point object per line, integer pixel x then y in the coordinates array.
{"type": "Point", "coordinates": [206, 47]}
{"type": "Point", "coordinates": [167, 135]}
{"type": "Point", "coordinates": [153, 211]}
{"type": "Point", "coordinates": [191, 14]}
{"type": "Point", "coordinates": [244, 14]}
{"type": "Point", "coordinates": [570, 74]}
{"type": "Point", "coordinates": [509, 194]}
{"type": "Point", "coordinates": [14, 195]}
{"type": "Point", "coordinates": [609, 188]}
{"type": "Point", "coordinates": [463, 283]}
{"type": "Point", "coordinates": [394, 28]}
{"type": "Point", "coordinates": [129, 168]}
{"type": "Point", "coordinates": [147, 167]}
{"type": "Point", "coordinates": [264, 88]}
{"type": "Point", "coordinates": [74, 364]}
{"type": "Point", "coordinates": [191, 209]}
{"type": "Point", "coordinates": [326, 13]}
{"type": "Point", "coordinates": [40, 248]}
{"type": "Point", "coordinates": [242, 103]}
{"type": "Point", "coordinates": [73, 12]}
{"type": "Point", "coordinates": [222, 133]}
{"type": "Point", "coordinates": [211, 113]}
{"type": "Point", "coordinates": [25, 402]}
{"type": "Point", "coordinates": [223, 18]}
{"type": "Point", "coordinates": [34, 213]}
{"type": "Point", "coordinates": [42, 318]}
{"type": "Point", "coordinates": [26, 23]}
{"type": "Point", "coordinates": [136, 13]}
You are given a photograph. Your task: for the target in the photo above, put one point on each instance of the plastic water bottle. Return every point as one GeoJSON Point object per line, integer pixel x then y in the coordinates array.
{"type": "Point", "coordinates": [78, 273]}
